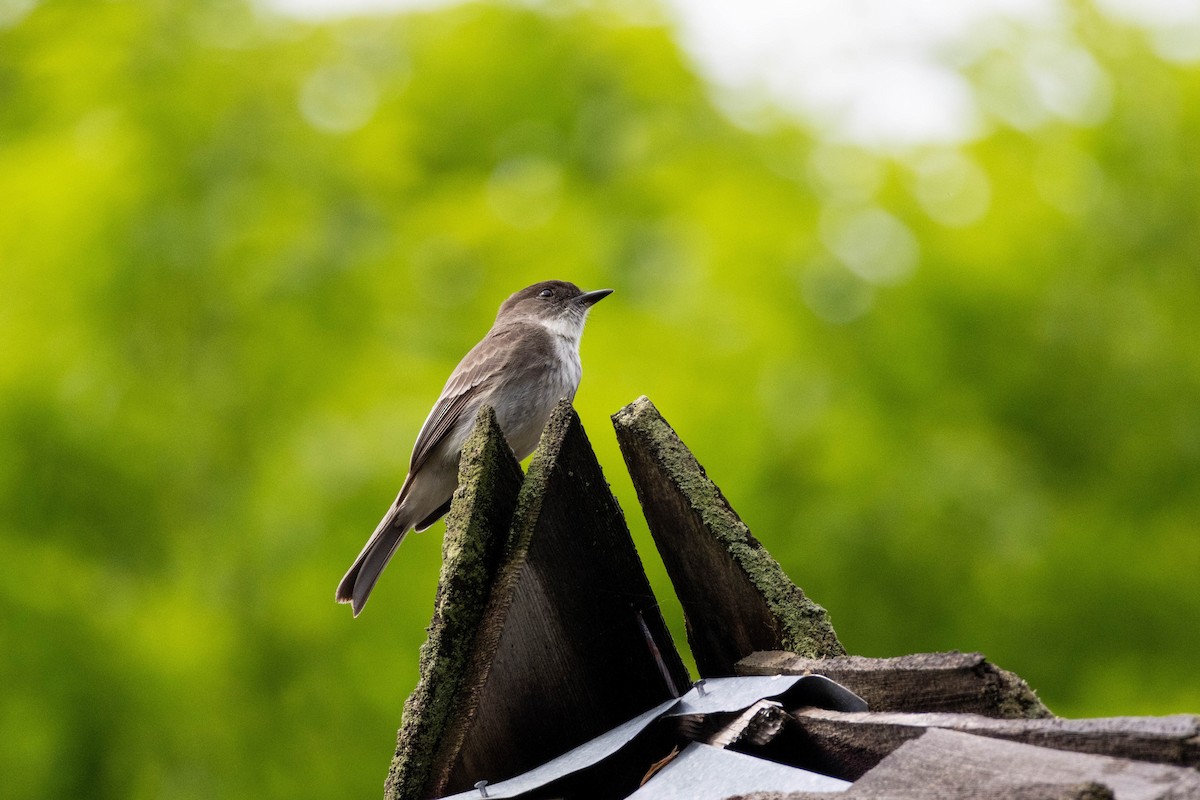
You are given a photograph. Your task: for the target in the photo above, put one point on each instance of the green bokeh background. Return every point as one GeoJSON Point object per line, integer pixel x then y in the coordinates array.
{"type": "Point", "coordinates": [955, 391]}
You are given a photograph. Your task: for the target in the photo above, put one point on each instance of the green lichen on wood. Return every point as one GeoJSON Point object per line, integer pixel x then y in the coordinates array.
{"type": "Point", "coordinates": [524, 519]}
{"type": "Point", "coordinates": [1016, 699]}
{"type": "Point", "coordinates": [541, 468]}
{"type": "Point", "coordinates": [803, 625]}
{"type": "Point", "coordinates": [476, 526]}
{"type": "Point", "coordinates": [561, 653]}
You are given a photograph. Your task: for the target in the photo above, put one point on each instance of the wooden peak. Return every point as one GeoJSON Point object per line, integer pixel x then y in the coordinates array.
{"type": "Point", "coordinates": [735, 596]}
{"type": "Point", "coordinates": [568, 642]}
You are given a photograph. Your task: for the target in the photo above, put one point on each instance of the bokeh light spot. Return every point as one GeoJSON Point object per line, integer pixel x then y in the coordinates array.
{"type": "Point", "coordinates": [845, 173]}
{"type": "Point", "coordinates": [13, 11]}
{"type": "Point", "coordinates": [951, 188]}
{"type": "Point", "coordinates": [339, 98]}
{"type": "Point", "coordinates": [1069, 83]}
{"type": "Point", "coordinates": [874, 244]}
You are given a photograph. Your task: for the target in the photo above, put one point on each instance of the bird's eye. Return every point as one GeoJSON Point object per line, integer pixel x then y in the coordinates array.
{"type": "Point", "coordinates": [545, 293]}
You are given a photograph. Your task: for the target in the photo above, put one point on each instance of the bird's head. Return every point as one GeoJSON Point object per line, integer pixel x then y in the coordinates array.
{"type": "Point", "coordinates": [551, 303]}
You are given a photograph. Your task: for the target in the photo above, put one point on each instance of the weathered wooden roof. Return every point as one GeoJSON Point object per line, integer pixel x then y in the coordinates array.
{"type": "Point", "coordinates": [545, 630]}
{"type": "Point", "coordinates": [549, 671]}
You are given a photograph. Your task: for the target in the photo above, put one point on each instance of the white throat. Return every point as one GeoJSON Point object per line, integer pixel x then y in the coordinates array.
{"type": "Point", "coordinates": [565, 329]}
{"type": "Point", "coordinates": [565, 333]}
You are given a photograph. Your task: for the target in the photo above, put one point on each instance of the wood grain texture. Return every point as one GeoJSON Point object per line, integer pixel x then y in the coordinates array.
{"type": "Point", "coordinates": [949, 765]}
{"type": "Point", "coordinates": [735, 597]}
{"type": "Point", "coordinates": [944, 764]}
{"type": "Point", "coordinates": [1085, 790]}
{"type": "Point", "coordinates": [562, 639]}
{"type": "Point", "coordinates": [476, 533]}
{"type": "Point", "coordinates": [849, 744]}
{"type": "Point", "coordinates": [965, 683]}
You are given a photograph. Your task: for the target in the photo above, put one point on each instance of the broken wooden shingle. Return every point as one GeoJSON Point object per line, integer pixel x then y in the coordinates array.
{"type": "Point", "coordinates": [1085, 790]}
{"type": "Point", "coordinates": [944, 763]}
{"type": "Point", "coordinates": [849, 744]}
{"type": "Point", "coordinates": [949, 764]}
{"type": "Point", "coordinates": [735, 597]}
{"type": "Point", "coordinates": [965, 683]}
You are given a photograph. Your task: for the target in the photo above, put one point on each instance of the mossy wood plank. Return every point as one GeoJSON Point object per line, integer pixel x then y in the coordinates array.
{"type": "Point", "coordinates": [849, 744]}
{"type": "Point", "coordinates": [964, 683]}
{"type": "Point", "coordinates": [735, 597]}
{"type": "Point", "coordinates": [564, 634]}
{"type": "Point", "coordinates": [476, 533]}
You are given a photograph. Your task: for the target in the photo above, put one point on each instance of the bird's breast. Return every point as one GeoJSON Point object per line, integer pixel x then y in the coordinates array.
{"type": "Point", "coordinates": [524, 403]}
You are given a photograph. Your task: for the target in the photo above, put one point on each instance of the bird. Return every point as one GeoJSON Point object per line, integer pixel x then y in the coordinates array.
{"type": "Point", "coordinates": [527, 362]}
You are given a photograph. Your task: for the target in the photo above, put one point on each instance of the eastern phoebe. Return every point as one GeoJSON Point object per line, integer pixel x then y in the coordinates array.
{"type": "Point", "coordinates": [528, 361]}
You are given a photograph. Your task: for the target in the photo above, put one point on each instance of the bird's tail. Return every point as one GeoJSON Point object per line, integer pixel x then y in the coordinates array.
{"type": "Point", "coordinates": [360, 579]}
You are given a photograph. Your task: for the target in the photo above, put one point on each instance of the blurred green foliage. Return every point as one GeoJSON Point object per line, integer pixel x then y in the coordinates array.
{"type": "Point", "coordinates": [956, 393]}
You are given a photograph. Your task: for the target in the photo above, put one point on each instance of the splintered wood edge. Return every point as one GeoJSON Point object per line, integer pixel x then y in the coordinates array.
{"type": "Point", "coordinates": [804, 624]}
{"type": "Point", "coordinates": [476, 528]}
{"type": "Point", "coordinates": [541, 470]}
{"type": "Point", "coordinates": [998, 692]}
{"type": "Point", "coordinates": [942, 761]}
{"type": "Point", "coordinates": [1087, 790]}
{"type": "Point", "coordinates": [1161, 740]}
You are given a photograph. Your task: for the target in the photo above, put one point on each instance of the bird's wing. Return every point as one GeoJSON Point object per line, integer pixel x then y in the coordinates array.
{"type": "Point", "coordinates": [478, 368]}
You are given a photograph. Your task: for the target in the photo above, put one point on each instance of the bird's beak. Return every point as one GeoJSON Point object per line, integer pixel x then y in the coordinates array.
{"type": "Point", "coordinates": [591, 298]}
